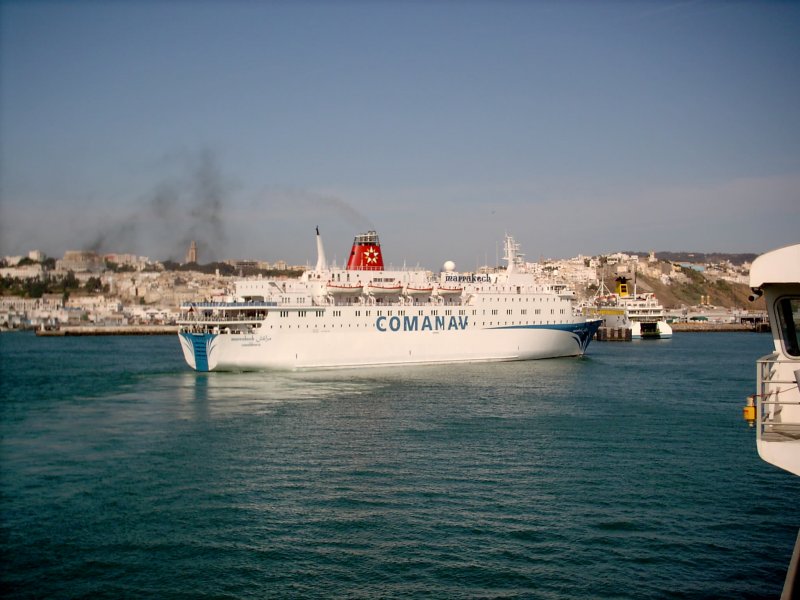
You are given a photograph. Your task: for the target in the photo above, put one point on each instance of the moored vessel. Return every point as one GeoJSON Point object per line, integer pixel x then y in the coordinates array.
{"type": "Point", "coordinates": [366, 315]}
{"type": "Point", "coordinates": [641, 312]}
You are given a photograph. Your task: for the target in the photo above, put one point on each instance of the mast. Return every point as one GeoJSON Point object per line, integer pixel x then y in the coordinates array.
{"type": "Point", "coordinates": [513, 255]}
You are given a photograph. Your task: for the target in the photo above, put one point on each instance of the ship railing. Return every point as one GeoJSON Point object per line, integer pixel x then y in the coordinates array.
{"type": "Point", "coordinates": [777, 400]}
{"type": "Point", "coordinates": [373, 301]}
{"type": "Point", "coordinates": [252, 304]}
{"type": "Point", "coordinates": [221, 318]}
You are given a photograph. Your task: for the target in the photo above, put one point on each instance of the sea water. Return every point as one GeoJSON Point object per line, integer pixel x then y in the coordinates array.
{"type": "Point", "coordinates": [627, 473]}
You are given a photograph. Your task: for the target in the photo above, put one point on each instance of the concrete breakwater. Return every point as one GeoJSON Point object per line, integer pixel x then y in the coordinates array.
{"type": "Point", "coordinates": [73, 330]}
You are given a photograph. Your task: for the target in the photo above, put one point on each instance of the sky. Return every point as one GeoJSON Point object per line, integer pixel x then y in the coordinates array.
{"type": "Point", "coordinates": [577, 127]}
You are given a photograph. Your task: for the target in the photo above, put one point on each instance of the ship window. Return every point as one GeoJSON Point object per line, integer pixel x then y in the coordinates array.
{"type": "Point", "coordinates": [788, 310]}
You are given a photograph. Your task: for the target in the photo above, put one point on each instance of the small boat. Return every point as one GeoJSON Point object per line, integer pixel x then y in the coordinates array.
{"type": "Point", "coordinates": [449, 291]}
{"type": "Point", "coordinates": [345, 289]}
{"type": "Point", "coordinates": [377, 289]}
{"type": "Point", "coordinates": [419, 291]}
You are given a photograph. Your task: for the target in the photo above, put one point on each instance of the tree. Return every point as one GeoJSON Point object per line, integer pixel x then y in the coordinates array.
{"type": "Point", "coordinates": [93, 284]}
{"type": "Point", "coordinates": [70, 282]}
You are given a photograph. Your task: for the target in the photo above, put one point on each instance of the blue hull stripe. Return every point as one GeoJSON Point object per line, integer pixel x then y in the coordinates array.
{"type": "Point", "coordinates": [200, 343]}
{"type": "Point", "coordinates": [584, 332]}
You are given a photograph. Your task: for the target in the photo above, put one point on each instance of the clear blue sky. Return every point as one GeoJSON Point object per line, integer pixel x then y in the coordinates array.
{"type": "Point", "coordinates": [579, 127]}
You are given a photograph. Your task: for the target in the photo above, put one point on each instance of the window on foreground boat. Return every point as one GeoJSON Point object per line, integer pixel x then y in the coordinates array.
{"type": "Point", "coordinates": [789, 317]}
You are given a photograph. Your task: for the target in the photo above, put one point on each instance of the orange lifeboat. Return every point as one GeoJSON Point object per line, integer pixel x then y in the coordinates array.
{"type": "Point", "coordinates": [376, 289]}
{"type": "Point", "coordinates": [345, 289]}
{"type": "Point", "coordinates": [419, 291]}
{"type": "Point", "coordinates": [449, 291]}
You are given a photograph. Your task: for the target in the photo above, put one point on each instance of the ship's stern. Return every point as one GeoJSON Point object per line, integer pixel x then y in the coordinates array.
{"type": "Point", "coordinates": [199, 350]}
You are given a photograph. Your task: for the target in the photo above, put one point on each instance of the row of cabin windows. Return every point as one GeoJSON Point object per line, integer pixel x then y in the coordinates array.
{"type": "Point", "coordinates": [402, 313]}
{"type": "Point", "coordinates": [237, 331]}
{"type": "Point", "coordinates": [484, 299]}
{"type": "Point", "coordinates": [370, 324]}
{"type": "Point", "coordinates": [518, 299]}
{"type": "Point", "coordinates": [433, 313]}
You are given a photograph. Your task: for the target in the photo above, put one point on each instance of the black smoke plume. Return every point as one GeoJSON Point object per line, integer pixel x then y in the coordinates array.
{"type": "Point", "coordinates": [181, 208]}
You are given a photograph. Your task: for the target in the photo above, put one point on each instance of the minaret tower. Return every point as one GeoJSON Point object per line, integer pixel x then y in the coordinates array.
{"type": "Point", "coordinates": [191, 255]}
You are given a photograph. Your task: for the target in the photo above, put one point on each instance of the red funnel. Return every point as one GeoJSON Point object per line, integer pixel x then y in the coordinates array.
{"type": "Point", "coordinates": [366, 253]}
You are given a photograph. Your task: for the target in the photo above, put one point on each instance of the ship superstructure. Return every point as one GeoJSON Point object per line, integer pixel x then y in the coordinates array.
{"type": "Point", "coordinates": [775, 408]}
{"type": "Point", "coordinates": [367, 315]}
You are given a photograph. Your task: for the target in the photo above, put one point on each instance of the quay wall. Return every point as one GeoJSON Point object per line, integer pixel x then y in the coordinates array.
{"type": "Point", "coordinates": [613, 334]}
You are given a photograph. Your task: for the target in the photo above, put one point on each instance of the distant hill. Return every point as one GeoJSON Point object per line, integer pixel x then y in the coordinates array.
{"type": "Point", "coordinates": [699, 257]}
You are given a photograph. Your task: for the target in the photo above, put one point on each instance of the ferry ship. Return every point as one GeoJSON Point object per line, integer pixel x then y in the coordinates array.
{"type": "Point", "coordinates": [642, 313]}
{"type": "Point", "coordinates": [364, 315]}
{"type": "Point", "coordinates": [774, 410]}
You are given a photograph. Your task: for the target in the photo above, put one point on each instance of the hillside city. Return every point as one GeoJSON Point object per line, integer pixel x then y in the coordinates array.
{"type": "Point", "coordinates": [84, 287]}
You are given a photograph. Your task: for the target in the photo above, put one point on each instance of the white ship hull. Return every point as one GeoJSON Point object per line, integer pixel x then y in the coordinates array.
{"type": "Point", "coordinates": [328, 349]}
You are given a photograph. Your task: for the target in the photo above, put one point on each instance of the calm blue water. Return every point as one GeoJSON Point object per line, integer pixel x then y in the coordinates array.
{"type": "Point", "coordinates": [626, 474]}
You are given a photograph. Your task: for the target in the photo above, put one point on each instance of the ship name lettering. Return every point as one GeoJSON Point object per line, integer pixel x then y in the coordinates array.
{"type": "Point", "coordinates": [384, 324]}
{"type": "Point", "coordinates": [469, 278]}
